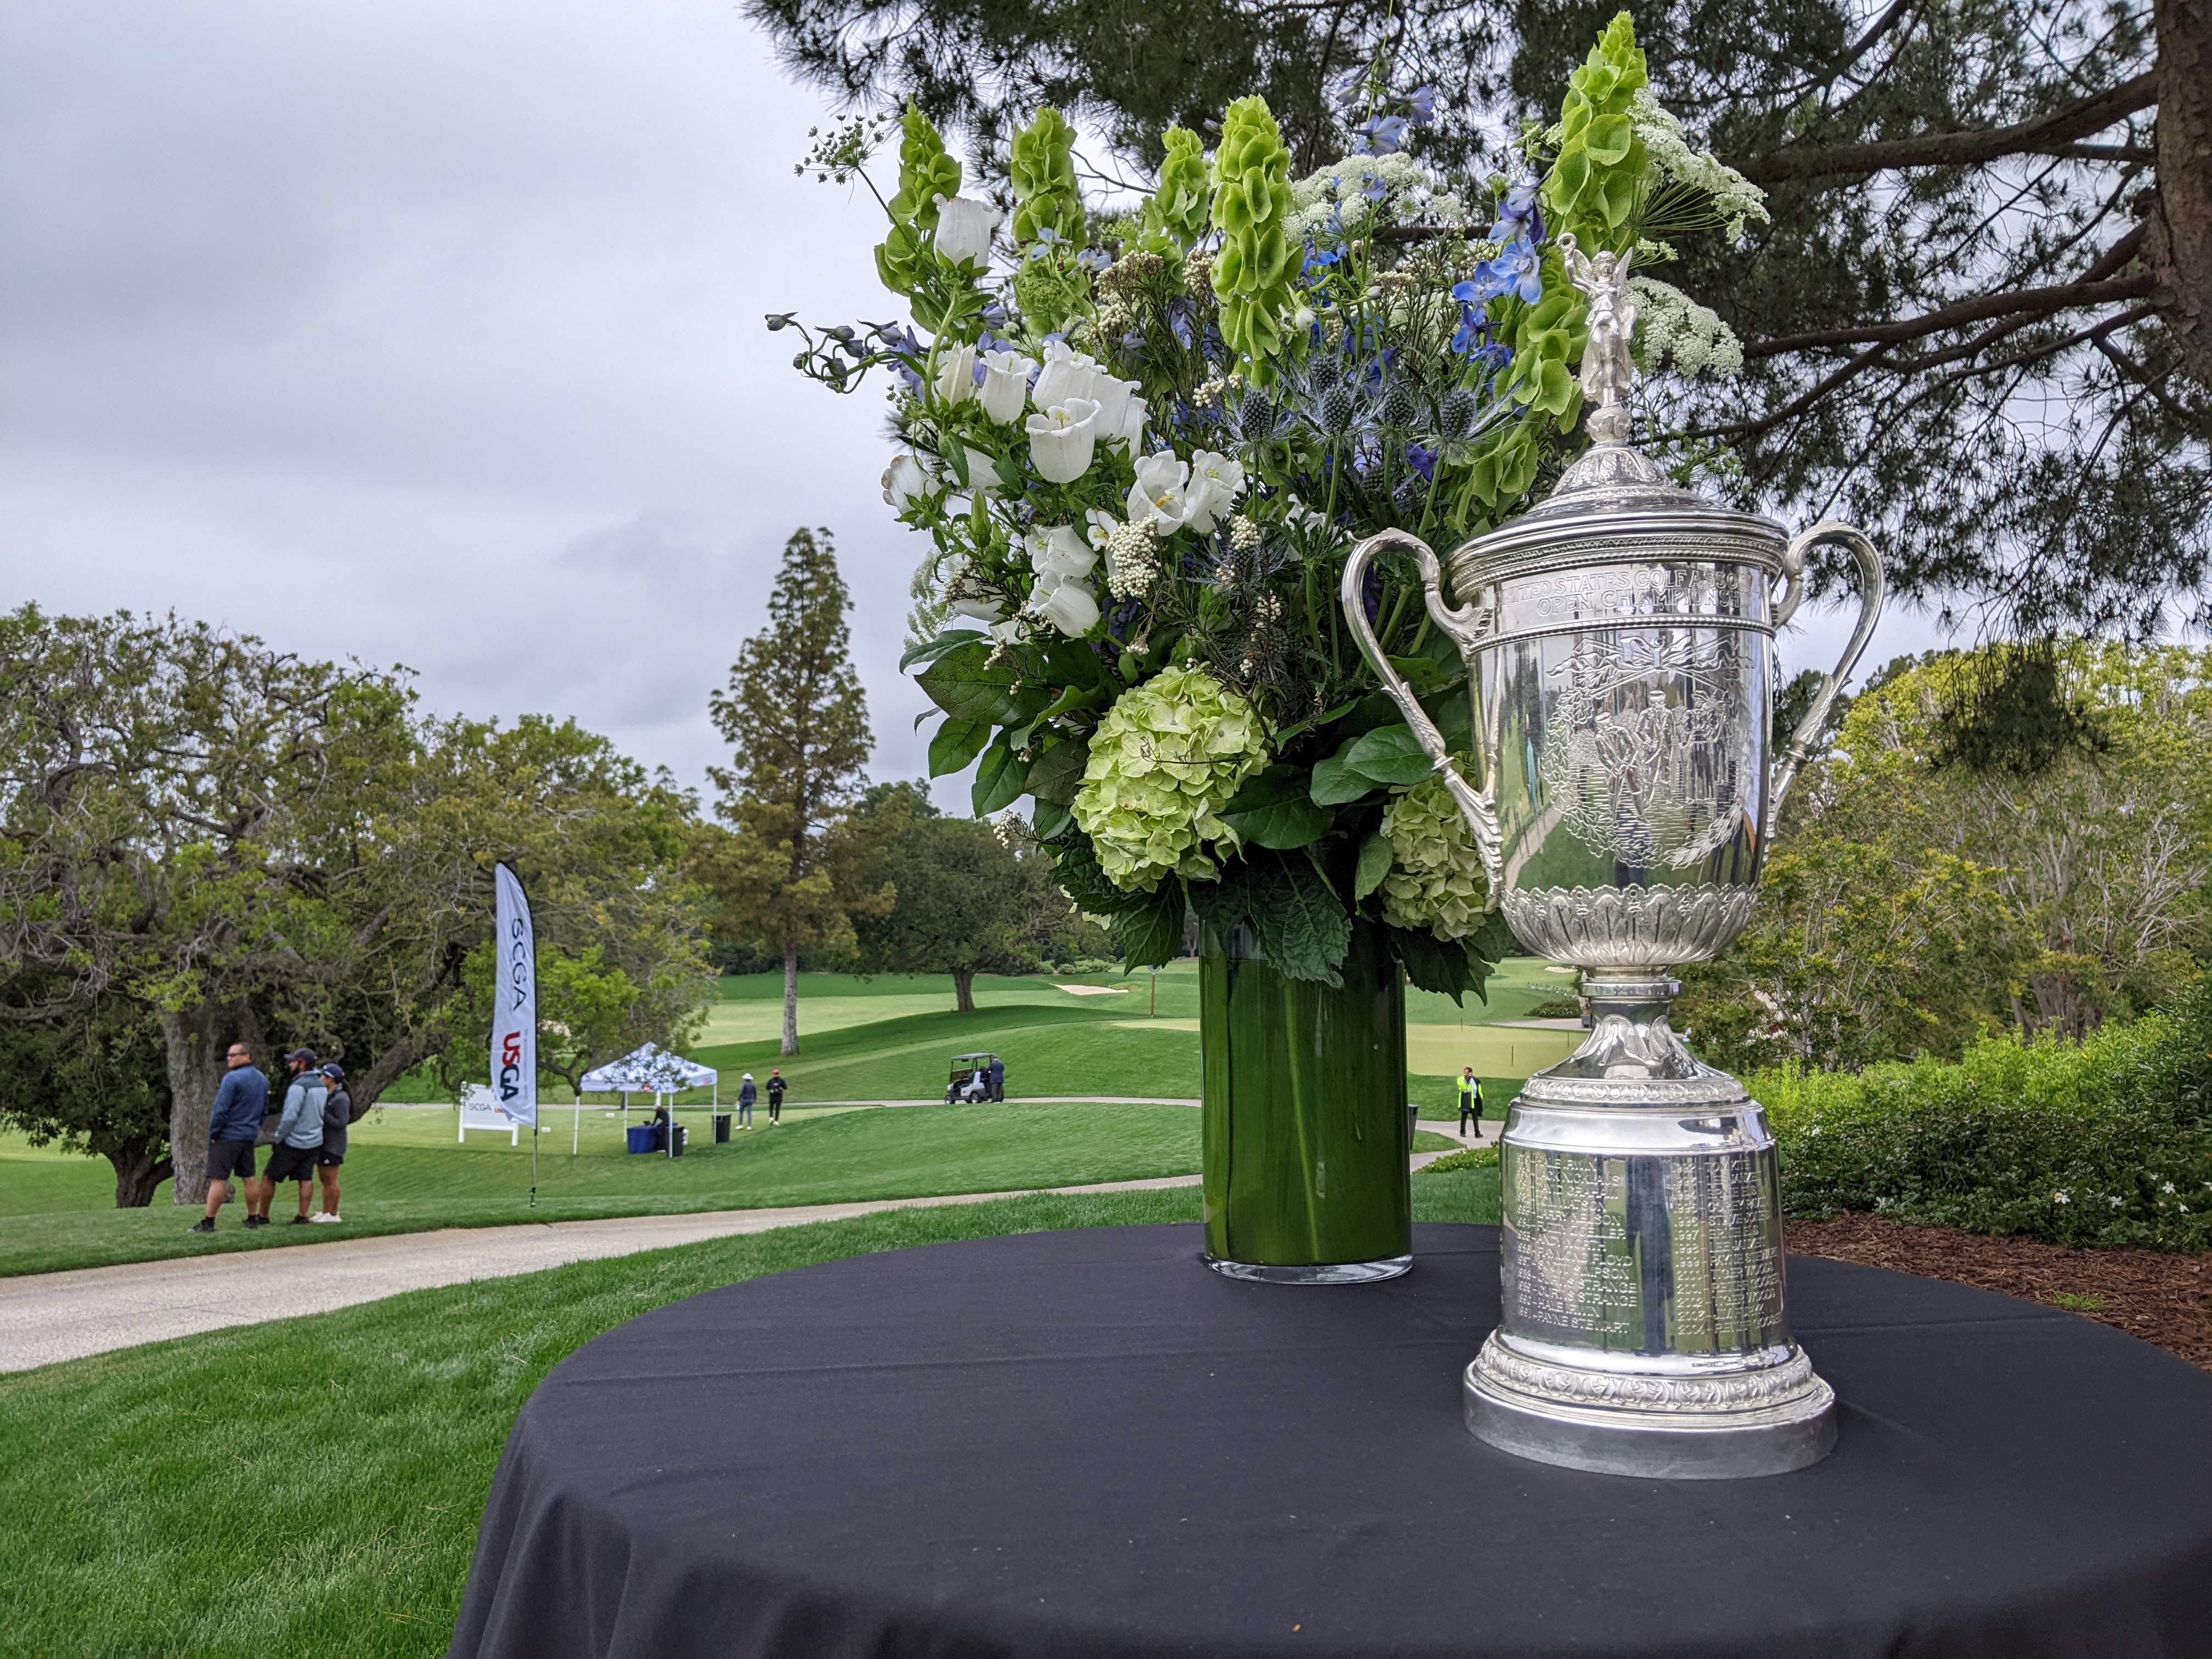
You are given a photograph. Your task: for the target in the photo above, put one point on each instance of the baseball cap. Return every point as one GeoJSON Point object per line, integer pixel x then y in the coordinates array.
{"type": "Point", "coordinates": [335, 1072]}
{"type": "Point", "coordinates": [307, 1054]}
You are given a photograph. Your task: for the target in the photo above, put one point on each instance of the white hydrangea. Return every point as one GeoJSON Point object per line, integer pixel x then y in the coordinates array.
{"type": "Point", "coordinates": [1672, 329]}
{"type": "Point", "coordinates": [1736, 199]}
{"type": "Point", "coordinates": [1341, 191]}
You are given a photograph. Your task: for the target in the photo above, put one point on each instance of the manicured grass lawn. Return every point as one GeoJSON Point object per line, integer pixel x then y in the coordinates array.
{"type": "Point", "coordinates": [404, 1173]}
{"type": "Point", "coordinates": [313, 1486]}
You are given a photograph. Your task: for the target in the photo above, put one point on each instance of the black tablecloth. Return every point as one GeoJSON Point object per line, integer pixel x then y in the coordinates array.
{"type": "Point", "coordinates": [1085, 1443]}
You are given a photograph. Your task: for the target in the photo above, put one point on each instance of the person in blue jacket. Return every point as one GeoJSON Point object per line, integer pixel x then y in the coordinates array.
{"type": "Point", "coordinates": [233, 1122]}
{"type": "Point", "coordinates": [747, 1095]}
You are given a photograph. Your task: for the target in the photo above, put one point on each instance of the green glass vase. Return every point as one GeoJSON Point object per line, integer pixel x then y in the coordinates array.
{"type": "Point", "coordinates": [1306, 1136]}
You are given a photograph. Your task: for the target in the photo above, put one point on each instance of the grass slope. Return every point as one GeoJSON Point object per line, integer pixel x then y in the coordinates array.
{"type": "Point", "coordinates": [405, 1173]}
{"type": "Point", "coordinates": [313, 1485]}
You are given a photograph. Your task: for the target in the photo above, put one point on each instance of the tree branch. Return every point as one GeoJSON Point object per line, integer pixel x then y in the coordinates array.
{"type": "Point", "coordinates": [2064, 126]}
{"type": "Point", "coordinates": [2034, 300]}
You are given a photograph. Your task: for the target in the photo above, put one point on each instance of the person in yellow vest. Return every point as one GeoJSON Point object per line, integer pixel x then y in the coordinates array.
{"type": "Point", "coordinates": [1470, 1099]}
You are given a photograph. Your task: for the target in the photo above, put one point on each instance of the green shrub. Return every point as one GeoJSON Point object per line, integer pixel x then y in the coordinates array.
{"type": "Point", "coordinates": [2105, 1143]}
{"type": "Point", "coordinates": [1475, 1157]}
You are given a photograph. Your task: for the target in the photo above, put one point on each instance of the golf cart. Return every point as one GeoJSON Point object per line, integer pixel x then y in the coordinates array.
{"type": "Point", "coordinates": [971, 1080]}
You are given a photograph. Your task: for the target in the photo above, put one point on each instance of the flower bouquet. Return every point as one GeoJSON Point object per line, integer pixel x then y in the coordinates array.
{"type": "Point", "coordinates": [1141, 446]}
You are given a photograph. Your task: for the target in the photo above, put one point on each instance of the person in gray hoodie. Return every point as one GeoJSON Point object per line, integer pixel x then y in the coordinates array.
{"type": "Point", "coordinates": [299, 1138]}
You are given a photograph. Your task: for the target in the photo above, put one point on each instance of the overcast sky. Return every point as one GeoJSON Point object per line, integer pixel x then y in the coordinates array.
{"type": "Point", "coordinates": [384, 328]}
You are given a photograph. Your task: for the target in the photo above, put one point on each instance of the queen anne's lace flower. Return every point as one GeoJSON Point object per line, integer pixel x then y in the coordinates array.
{"type": "Point", "coordinates": [1168, 756]}
{"type": "Point", "coordinates": [1436, 878]}
{"type": "Point", "coordinates": [1736, 199]}
{"type": "Point", "coordinates": [1673, 328]}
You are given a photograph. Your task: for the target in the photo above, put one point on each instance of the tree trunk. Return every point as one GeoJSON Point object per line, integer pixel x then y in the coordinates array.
{"type": "Point", "coordinates": [963, 989]}
{"type": "Point", "coordinates": [790, 1001]}
{"type": "Point", "coordinates": [197, 1040]}
{"type": "Point", "coordinates": [2179, 241]}
{"type": "Point", "coordinates": [139, 1169]}
{"type": "Point", "coordinates": [387, 1069]}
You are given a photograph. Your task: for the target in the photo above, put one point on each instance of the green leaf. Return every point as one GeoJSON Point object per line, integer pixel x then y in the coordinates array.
{"type": "Point", "coordinates": [1431, 964]}
{"type": "Point", "coordinates": [1302, 926]}
{"type": "Point", "coordinates": [960, 684]}
{"type": "Point", "coordinates": [930, 650]}
{"type": "Point", "coordinates": [1076, 868]}
{"type": "Point", "coordinates": [1059, 771]}
{"type": "Point", "coordinates": [1393, 755]}
{"type": "Point", "coordinates": [1149, 934]}
{"type": "Point", "coordinates": [1001, 777]}
{"type": "Point", "coordinates": [1374, 864]}
{"type": "Point", "coordinates": [1274, 810]}
{"type": "Point", "coordinates": [1049, 818]}
{"type": "Point", "coordinates": [1070, 662]}
{"type": "Point", "coordinates": [1422, 674]}
{"type": "Point", "coordinates": [1494, 942]}
{"type": "Point", "coordinates": [1453, 710]}
{"type": "Point", "coordinates": [1223, 904]}
{"type": "Point", "coordinates": [956, 742]}
{"type": "Point", "coordinates": [1334, 783]}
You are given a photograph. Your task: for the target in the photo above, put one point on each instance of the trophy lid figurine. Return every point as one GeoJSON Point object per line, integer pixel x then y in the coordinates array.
{"type": "Point", "coordinates": [1620, 645]}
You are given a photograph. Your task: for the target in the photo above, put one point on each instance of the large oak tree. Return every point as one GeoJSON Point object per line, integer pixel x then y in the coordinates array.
{"type": "Point", "coordinates": [1979, 321]}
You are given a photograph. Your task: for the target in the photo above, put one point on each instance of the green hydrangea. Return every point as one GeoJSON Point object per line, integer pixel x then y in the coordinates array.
{"type": "Point", "coordinates": [1252, 270]}
{"type": "Point", "coordinates": [1436, 878]}
{"type": "Point", "coordinates": [1166, 759]}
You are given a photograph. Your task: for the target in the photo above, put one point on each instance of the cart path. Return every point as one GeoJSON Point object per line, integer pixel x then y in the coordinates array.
{"type": "Point", "coordinates": [46, 1318]}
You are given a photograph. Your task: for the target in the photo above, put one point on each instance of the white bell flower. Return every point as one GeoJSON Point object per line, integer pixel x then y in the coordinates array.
{"type": "Point", "coordinates": [956, 374]}
{"type": "Point", "coordinates": [1067, 374]}
{"type": "Point", "coordinates": [982, 471]}
{"type": "Point", "coordinates": [1069, 607]}
{"type": "Point", "coordinates": [903, 480]}
{"type": "Point", "coordinates": [1159, 494]}
{"type": "Point", "coordinates": [983, 610]}
{"type": "Point", "coordinates": [1132, 435]}
{"type": "Point", "coordinates": [1059, 552]}
{"type": "Point", "coordinates": [1062, 438]}
{"type": "Point", "coordinates": [1113, 398]}
{"type": "Point", "coordinates": [964, 228]}
{"type": "Point", "coordinates": [1216, 482]}
{"type": "Point", "coordinates": [1006, 384]}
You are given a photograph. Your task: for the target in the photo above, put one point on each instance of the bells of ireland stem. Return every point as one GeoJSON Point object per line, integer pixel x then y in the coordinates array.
{"type": "Point", "coordinates": [1041, 167]}
{"type": "Point", "coordinates": [1252, 272]}
{"type": "Point", "coordinates": [1006, 384]}
{"type": "Point", "coordinates": [1175, 216]}
{"type": "Point", "coordinates": [1061, 440]}
{"type": "Point", "coordinates": [963, 229]}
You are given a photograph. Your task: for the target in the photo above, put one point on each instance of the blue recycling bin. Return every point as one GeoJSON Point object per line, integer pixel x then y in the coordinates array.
{"type": "Point", "coordinates": [643, 1139]}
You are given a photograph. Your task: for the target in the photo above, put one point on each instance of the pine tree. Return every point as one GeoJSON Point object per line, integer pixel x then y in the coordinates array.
{"type": "Point", "coordinates": [797, 719]}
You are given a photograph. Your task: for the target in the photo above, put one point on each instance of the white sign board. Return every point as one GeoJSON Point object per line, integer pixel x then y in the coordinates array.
{"type": "Point", "coordinates": [480, 1109]}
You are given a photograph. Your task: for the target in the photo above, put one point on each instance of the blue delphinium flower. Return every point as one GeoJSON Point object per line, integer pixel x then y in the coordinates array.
{"type": "Point", "coordinates": [1423, 461]}
{"type": "Point", "coordinates": [1421, 102]}
{"type": "Point", "coordinates": [1094, 259]}
{"type": "Point", "coordinates": [1519, 219]}
{"type": "Point", "coordinates": [1381, 134]}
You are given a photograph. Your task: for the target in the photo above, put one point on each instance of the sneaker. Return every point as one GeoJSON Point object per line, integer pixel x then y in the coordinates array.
{"type": "Point", "coordinates": [206, 1225]}
{"type": "Point", "coordinates": [322, 1218]}
{"type": "Point", "coordinates": [299, 1221]}
{"type": "Point", "coordinates": [253, 1221]}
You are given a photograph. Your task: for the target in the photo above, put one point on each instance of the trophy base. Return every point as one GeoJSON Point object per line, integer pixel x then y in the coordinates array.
{"type": "Point", "coordinates": [1314, 1272]}
{"type": "Point", "coordinates": [1672, 1425]}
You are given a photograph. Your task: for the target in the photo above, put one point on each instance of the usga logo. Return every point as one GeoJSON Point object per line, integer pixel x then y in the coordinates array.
{"type": "Point", "coordinates": [510, 1065]}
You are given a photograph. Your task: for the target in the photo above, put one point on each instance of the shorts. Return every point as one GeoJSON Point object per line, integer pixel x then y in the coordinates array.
{"type": "Point", "coordinates": [291, 1164]}
{"type": "Point", "coordinates": [229, 1158]}
{"type": "Point", "coordinates": [329, 1158]}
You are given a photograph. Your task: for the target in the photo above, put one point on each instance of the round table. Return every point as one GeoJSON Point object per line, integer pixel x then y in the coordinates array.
{"type": "Point", "coordinates": [1086, 1443]}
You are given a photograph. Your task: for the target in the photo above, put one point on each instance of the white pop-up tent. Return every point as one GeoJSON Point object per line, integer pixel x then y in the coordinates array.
{"type": "Point", "coordinates": [650, 1071]}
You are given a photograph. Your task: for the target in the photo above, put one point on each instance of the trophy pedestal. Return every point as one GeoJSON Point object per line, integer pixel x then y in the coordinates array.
{"type": "Point", "coordinates": [1644, 1330]}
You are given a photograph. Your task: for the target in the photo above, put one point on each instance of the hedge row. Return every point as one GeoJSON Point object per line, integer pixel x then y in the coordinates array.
{"type": "Point", "coordinates": [2104, 1143]}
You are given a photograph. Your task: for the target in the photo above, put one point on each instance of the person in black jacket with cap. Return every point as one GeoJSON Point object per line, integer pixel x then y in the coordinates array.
{"type": "Point", "coordinates": [337, 1118]}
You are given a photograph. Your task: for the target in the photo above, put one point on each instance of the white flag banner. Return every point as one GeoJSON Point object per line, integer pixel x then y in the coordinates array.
{"type": "Point", "coordinates": [514, 1001]}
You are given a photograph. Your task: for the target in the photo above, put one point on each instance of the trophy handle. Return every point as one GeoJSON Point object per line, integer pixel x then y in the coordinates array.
{"type": "Point", "coordinates": [1474, 804]}
{"type": "Point", "coordinates": [1871, 590]}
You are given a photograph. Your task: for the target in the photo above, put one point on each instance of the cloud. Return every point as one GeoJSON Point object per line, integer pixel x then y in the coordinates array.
{"type": "Point", "coordinates": [384, 328]}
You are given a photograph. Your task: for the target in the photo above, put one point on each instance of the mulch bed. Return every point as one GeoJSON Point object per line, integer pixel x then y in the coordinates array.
{"type": "Point", "coordinates": [2165, 1299]}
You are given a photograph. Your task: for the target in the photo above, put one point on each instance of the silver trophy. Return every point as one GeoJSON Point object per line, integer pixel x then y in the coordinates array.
{"type": "Point", "coordinates": [1620, 644]}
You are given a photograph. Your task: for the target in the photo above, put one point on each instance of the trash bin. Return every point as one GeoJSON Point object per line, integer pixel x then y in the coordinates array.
{"type": "Point", "coordinates": [641, 1137]}
{"type": "Point", "coordinates": [683, 1135]}
{"type": "Point", "coordinates": [722, 1127]}
{"type": "Point", "coordinates": [1412, 1123]}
